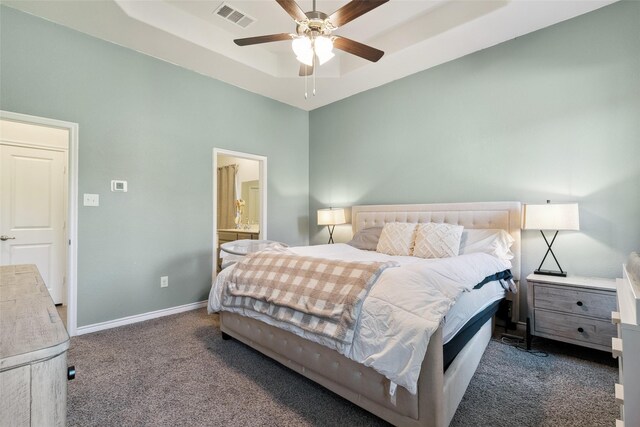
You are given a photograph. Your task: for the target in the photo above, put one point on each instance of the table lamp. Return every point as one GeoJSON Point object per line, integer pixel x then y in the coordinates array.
{"type": "Point", "coordinates": [331, 217]}
{"type": "Point", "coordinates": [550, 216]}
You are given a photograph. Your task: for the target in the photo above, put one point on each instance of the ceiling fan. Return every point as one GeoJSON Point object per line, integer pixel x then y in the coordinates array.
{"type": "Point", "coordinates": [313, 38]}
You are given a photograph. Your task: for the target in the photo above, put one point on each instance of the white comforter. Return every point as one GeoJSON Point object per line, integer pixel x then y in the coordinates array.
{"type": "Point", "coordinates": [403, 309]}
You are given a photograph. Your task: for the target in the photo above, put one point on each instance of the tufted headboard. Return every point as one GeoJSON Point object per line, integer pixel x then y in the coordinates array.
{"type": "Point", "coordinates": [503, 215]}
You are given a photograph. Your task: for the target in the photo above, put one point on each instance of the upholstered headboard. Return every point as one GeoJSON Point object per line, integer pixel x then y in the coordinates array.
{"type": "Point", "coordinates": [502, 215]}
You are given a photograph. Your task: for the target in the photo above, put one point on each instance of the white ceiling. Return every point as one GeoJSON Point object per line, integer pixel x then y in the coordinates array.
{"type": "Point", "coordinates": [414, 34]}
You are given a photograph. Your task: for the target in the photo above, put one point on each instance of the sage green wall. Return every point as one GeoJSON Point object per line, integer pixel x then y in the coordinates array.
{"type": "Point", "coordinates": [551, 115]}
{"type": "Point", "coordinates": [155, 125]}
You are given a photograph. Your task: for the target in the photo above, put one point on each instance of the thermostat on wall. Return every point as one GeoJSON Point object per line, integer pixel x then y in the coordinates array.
{"type": "Point", "coordinates": [119, 186]}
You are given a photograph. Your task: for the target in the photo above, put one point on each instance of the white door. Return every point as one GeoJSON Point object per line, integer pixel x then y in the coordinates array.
{"type": "Point", "coordinates": [32, 212]}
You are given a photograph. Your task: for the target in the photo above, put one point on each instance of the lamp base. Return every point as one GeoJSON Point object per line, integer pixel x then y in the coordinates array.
{"type": "Point", "coordinates": [551, 273]}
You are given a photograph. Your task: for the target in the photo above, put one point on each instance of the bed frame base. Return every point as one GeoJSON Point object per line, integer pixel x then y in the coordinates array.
{"type": "Point", "coordinates": [438, 393]}
{"type": "Point", "coordinates": [459, 373]}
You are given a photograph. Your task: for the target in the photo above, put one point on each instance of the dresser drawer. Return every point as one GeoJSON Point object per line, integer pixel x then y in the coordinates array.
{"type": "Point", "coordinates": [573, 301]}
{"type": "Point", "coordinates": [575, 327]}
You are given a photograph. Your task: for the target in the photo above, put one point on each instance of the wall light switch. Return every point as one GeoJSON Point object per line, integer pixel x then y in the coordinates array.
{"type": "Point", "coordinates": [91, 199]}
{"type": "Point", "coordinates": [164, 281]}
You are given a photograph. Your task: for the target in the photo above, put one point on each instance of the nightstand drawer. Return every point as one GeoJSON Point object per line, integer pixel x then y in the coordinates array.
{"type": "Point", "coordinates": [574, 327]}
{"type": "Point", "coordinates": [570, 300]}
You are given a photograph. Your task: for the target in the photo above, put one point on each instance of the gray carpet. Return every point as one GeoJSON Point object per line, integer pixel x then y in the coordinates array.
{"type": "Point", "coordinates": [177, 371]}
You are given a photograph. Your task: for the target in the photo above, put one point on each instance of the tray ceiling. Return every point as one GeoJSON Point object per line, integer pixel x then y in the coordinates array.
{"type": "Point", "coordinates": [414, 34]}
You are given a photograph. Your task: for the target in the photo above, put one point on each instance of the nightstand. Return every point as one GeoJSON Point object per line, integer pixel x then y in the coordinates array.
{"type": "Point", "coordinates": [572, 309]}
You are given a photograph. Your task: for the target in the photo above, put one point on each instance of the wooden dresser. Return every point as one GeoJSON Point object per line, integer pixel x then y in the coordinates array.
{"type": "Point", "coordinates": [33, 351]}
{"type": "Point", "coordinates": [572, 309]}
{"type": "Point", "coordinates": [626, 347]}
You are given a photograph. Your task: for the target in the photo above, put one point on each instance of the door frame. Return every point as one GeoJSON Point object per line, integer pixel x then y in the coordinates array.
{"type": "Point", "coordinates": [262, 164]}
{"type": "Point", "coordinates": [72, 207]}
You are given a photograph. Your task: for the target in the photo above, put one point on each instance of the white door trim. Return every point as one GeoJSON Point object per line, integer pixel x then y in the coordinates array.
{"type": "Point", "coordinates": [262, 160]}
{"type": "Point", "coordinates": [72, 211]}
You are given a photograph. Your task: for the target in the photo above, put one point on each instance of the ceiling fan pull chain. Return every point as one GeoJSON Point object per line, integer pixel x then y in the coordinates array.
{"type": "Point", "coordinates": [306, 95]}
{"type": "Point", "coordinates": [314, 74]}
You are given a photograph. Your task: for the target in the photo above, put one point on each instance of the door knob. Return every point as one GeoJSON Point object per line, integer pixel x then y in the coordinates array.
{"type": "Point", "coordinates": [3, 238]}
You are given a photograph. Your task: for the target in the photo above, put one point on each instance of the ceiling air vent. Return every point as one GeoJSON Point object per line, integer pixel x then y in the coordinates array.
{"type": "Point", "coordinates": [234, 15]}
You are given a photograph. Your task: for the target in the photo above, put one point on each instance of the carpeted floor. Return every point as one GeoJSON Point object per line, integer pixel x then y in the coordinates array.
{"type": "Point", "coordinates": [177, 371]}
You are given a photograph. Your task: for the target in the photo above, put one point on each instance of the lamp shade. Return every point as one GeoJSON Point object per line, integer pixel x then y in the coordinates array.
{"type": "Point", "coordinates": [323, 47]}
{"type": "Point", "coordinates": [306, 59]}
{"type": "Point", "coordinates": [301, 46]}
{"type": "Point", "coordinates": [331, 216]}
{"type": "Point", "coordinates": [560, 216]}
{"type": "Point", "coordinates": [303, 49]}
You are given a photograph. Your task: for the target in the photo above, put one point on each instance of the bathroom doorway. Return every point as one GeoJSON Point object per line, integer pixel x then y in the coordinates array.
{"type": "Point", "coordinates": [239, 198]}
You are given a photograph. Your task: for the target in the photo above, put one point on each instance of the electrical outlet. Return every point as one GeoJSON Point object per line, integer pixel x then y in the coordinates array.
{"type": "Point", "coordinates": [164, 281]}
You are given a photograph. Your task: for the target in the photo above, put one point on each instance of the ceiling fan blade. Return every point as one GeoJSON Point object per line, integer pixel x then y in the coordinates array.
{"type": "Point", "coordinates": [292, 8]}
{"type": "Point", "coordinates": [305, 70]}
{"type": "Point", "coordinates": [356, 48]}
{"type": "Point", "coordinates": [352, 10]}
{"type": "Point", "coordinates": [263, 39]}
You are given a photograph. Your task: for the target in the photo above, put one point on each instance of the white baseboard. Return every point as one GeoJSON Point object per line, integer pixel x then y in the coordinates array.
{"type": "Point", "coordinates": [139, 318]}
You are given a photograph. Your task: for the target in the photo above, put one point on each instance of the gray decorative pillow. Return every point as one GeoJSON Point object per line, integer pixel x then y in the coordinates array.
{"type": "Point", "coordinates": [366, 239]}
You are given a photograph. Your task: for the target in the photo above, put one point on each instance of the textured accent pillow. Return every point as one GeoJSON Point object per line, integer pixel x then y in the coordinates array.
{"type": "Point", "coordinates": [397, 238]}
{"type": "Point", "coordinates": [437, 240]}
{"type": "Point", "coordinates": [366, 239]}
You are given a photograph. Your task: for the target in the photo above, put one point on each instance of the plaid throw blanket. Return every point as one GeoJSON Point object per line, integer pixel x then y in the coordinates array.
{"type": "Point", "coordinates": [318, 295]}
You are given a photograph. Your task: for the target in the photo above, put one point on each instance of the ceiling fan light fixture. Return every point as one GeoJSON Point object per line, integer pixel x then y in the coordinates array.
{"type": "Point", "coordinates": [313, 35]}
{"type": "Point", "coordinates": [325, 57]}
{"type": "Point", "coordinates": [301, 47]}
{"type": "Point", "coordinates": [323, 44]}
{"type": "Point", "coordinates": [306, 59]}
{"type": "Point", "coordinates": [323, 47]}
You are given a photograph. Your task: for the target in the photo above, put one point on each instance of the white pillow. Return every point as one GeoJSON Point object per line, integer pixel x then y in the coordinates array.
{"type": "Point", "coordinates": [397, 238]}
{"type": "Point", "coordinates": [494, 242]}
{"type": "Point", "coordinates": [437, 240]}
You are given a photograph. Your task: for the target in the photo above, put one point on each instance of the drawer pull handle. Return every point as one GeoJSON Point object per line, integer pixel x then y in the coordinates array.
{"type": "Point", "coordinates": [579, 303]}
{"type": "Point", "coordinates": [580, 330]}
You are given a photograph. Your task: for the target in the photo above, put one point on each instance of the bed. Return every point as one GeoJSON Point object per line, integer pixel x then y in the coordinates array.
{"type": "Point", "coordinates": [438, 390]}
